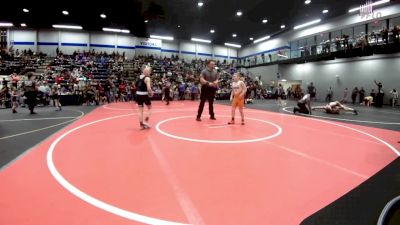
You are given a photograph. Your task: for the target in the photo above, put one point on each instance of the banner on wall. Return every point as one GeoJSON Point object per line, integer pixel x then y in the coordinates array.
{"type": "Point", "coordinates": [148, 42]}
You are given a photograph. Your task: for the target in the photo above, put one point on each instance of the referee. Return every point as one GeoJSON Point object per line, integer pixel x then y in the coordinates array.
{"type": "Point", "coordinates": [209, 84]}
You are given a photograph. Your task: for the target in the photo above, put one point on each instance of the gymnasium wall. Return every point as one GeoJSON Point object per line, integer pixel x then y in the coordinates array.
{"type": "Point", "coordinates": [47, 41]}
{"type": "Point", "coordinates": [281, 43]}
{"type": "Point", "coordinates": [339, 74]}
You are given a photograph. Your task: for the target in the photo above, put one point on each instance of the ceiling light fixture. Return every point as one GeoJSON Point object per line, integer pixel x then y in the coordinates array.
{"type": "Point", "coordinates": [212, 31]}
{"type": "Point", "coordinates": [264, 21]}
{"type": "Point", "coordinates": [6, 25]}
{"type": "Point", "coordinates": [234, 35]}
{"type": "Point", "coordinates": [146, 21]}
{"type": "Point", "coordinates": [201, 40]}
{"type": "Point", "coordinates": [307, 24]}
{"type": "Point", "coordinates": [23, 24]}
{"type": "Point", "coordinates": [283, 26]}
{"type": "Point", "coordinates": [307, 2]}
{"type": "Point", "coordinates": [67, 27]}
{"type": "Point", "coordinates": [251, 38]}
{"type": "Point", "coordinates": [65, 12]}
{"type": "Point", "coordinates": [162, 37]}
{"type": "Point", "coordinates": [116, 30]}
{"type": "Point", "coordinates": [200, 4]}
{"type": "Point", "coordinates": [325, 11]}
{"type": "Point", "coordinates": [262, 39]}
{"type": "Point", "coordinates": [233, 45]}
{"type": "Point", "coordinates": [25, 10]}
{"type": "Point", "coordinates": [103, 16]}
{"type": "Point", "coordinates": [239, 13]}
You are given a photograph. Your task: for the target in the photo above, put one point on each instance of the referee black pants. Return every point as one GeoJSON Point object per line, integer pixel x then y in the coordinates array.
{"type": "Point", "coordinates": [207, 94]}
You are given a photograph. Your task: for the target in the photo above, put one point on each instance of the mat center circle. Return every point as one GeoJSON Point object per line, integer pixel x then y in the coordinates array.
{"type": "Point", "coordinates": [212, 131]}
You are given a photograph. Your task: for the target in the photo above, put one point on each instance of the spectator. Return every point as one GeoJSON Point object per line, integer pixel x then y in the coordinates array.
{"type": "Point", "coordinates": [329, 95]}
{"type": "Point", "coordinates": [30, 90]}
{"type": "Point", "coordinates": [312, 90]}
{"type": "Point", "coordinates": [344, 99]}
{"type": "Point", "coordinates": [361, 95]}
{"type": "Point", "coordinates": [354, 94]}
{"type": "Point", "coordinates": [194, 92]}
{"type": "Point", "coordinates": [395, 97]}
{"type": "Point", "coordinates": [379, 95]}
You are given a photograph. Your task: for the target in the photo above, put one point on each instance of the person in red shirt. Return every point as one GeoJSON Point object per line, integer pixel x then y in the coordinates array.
{"type": "Point", "coordinates": [59, 79]}
{"type": "Point", "coordinates": [122, 91]}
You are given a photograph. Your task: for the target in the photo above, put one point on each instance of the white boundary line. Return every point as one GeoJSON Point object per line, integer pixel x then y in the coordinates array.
{"type": "Point", "coordinates": [321, 161]}
{"type": "Point", "coordinates": [44, 128]}
{"type": "Point", "coordinates": [124, 213]}
{"type": "Point", "coordinates": [279, 132]}
{"type": "Point", "coordinates": [353, 129]}
{"type": "Point", "coordinates": [89, 199]}
{"type": "Point", "coordinates": [341, 119]}
{"type": "Point", "coordinates": [136, 108]}
{"type": "Point", "coordinates": [186, 204]}
{"type": "Point", "coordinates": [219, 126]}
{"type": "Point", "coordinates": [50, 118]}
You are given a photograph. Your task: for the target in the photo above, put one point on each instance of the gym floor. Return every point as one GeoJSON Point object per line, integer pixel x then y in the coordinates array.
{"type": "Point", "coordinates": [93, 165]}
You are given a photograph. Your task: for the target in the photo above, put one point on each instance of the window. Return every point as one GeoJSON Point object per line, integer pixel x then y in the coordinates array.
{"type": "Point", "coordinates": [322, 37]}
{"type": "Point", "coordinates": [322, 42]}
{"type": "Point", "coordinates": [394, 22]}
{"type": "Point", "coordinates": [377, 26]}
{"type": "Point", "coordinates": [3, 38]}
{"type": "Point", "coordinates": [336, 34]}
{"type": "Point", "coordinates": [294, 46]}
{"type": "Point", "coordinates": [359, 31]}
{"type": "Point", "coordinates": [302, 47]}
{"type": "Point", "coordinates": [348, 32]}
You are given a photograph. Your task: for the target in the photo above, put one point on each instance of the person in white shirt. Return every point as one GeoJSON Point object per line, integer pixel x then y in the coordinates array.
{"type": "Point", "coordinates": [237, 96]}
{"type": "Point", "coordinates": [395, 97]}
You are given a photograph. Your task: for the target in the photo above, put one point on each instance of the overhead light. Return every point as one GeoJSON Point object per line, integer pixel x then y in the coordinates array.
{"type": "Point", "coordinates": [68, 27]}
{"type": "Point", "coordinates": [307, 24]}
{"type": "Point", "coordinates": [115, 30]}
{"type": "Point", "coordinates": [65, 12]}
{"type": "Point", "coordinates": [146, 21]}
{"type": "Point", "coordinates": [234, 35]}
{"type": "Point", "coordinates": [325, 11]}
{"type": "Point", "coordinates": [23, 24]}
{"type": "Point", "coordinates": [200, 4]}
{"type": "Point", "coordinates": [262, 39]}
{"type": "Point", "coordinates": [373, 4]}
{"type": "Point", "coordinates": [233, 45]}
{"type": "Point", "coordinates": [179, 26]}
{"type": "Point", "coordinates": [239, 13]}
{"type": "Point", "coordinates": [283, 80]}
{"type": "Point", "coordinates": [283, 26]}
{"type": "Point", "coordinates": [6, 25]}
{"type": "Point", "coordinates": [251, 39]}
{"type": "Point", "coordinates": [201, 40]}
{"type": "Point", "coordinates": [103, 16]}
{"type": "Point", "coordinates": [307, 2]}
{"type": "Point", "coordinates": [264, 21]}
{"type": "Point", "coordinates": [162, 37]}
{"type": "Point", "coordinates": [111, 30]}
{"type": "Point", "coordinates": [212, 31]}
{"type": "Point", "coordinates": [25, 10]}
